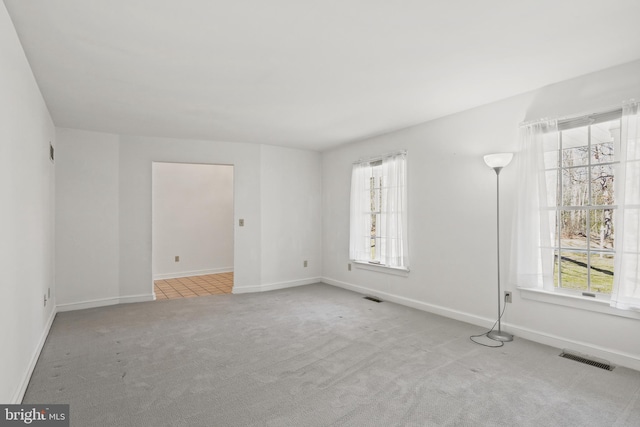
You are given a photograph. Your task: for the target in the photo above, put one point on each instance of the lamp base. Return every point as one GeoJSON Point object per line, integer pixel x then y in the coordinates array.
{"type": "Point", "coordinates": [500, 336]}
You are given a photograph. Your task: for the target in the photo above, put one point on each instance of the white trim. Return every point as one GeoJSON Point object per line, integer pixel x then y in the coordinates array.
{"type": "Point", "coordinates": [103, 302]}
{"type": "Point", "coordinates": [413, 303]}
{"type": "Point", "coordinates": [396, 271]}
{"type": "Point", "coordinates": [576, 301]}
{"type": "Point", "coordinates": [19, 395]}
{"type": "Point", "coordinates": [193, 273]}
{"type": "Point", "coordinates": [616, 357]}
{"type": "Point", "coordinates": [273, 286]}
{"type": "Point", "coordinates": [612, 356]}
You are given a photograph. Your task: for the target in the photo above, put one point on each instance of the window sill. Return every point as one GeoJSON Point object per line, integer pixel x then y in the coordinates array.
{"type": "Point", "coordinates": [598, 305]}
{"type": "Point", "coordinates": [404, 272]}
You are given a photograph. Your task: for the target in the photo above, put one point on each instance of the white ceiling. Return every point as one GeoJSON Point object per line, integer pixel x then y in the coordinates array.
{"type": "Point", "coordinates": [310, 74]}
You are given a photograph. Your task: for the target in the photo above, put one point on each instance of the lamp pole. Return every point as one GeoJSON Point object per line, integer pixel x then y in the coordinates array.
{"type": "Point", "coordinates": [497, 162]}
{"type": "Point", "coordinates": [499, 335]}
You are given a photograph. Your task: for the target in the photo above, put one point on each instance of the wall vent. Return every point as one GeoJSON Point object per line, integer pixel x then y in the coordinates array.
{"type": "Point", "coordinates": [602, 364]}
{"type": "Point", "coordinates": [374, 299]}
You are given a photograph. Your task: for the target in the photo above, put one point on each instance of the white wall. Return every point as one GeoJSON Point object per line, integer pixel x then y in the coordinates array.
{"type": "Point", "coordinates": [136, 157]}
{"type": "Point", "coordinates": [452, 217]}
{"type": "Point", "coordinates": [87, 261]}
{"type": "Point", "coordinates": [291, 216]}
{"type": "Point", "coordinates": [26, 216]}
{"type": "Point", "coordinates": [133, 227]}
{"type": "Point", "coordinates": [192, 218]}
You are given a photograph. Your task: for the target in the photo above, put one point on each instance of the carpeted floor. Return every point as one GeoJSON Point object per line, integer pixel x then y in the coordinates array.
{"type": "Point", "coordinates": [311, 356]}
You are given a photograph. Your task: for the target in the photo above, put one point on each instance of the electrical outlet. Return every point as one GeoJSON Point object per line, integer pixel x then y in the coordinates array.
{"type": "Point", "coordinates": [507, 296]}
{"type": "Point", "coordinates": [305, 263]}
{"type": "Point", "coordinates": [349, 266]}
{"type": "Point", "coordinates": [177, 258]}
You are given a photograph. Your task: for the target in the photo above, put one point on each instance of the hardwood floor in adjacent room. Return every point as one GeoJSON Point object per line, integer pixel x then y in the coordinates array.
{"type": "Point", "coordinates": [195, 286]}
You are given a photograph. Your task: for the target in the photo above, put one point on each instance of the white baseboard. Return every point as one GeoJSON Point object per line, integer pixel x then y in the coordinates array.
{"type": "Point", "coordinates": [413, 303]}
{"type": "Point", "coordinates": [102, 302]}
{"type": "Point", "coordinates": [19, 395]}
{"type": "Point", "coordinates": [274, 286]}
{"type": "Point", "coordinates": [192, 273]}
{"type": "Point", "coordinates": [616, 357]}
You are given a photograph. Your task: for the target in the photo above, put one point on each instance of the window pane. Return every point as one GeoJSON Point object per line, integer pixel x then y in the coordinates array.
{"type": "Point", "coordinates": [374, 195]}
{"type": "Point", "coordinates": [552, 187]}
{"type": "Point", "coordinates": [575, 187]}
{"type": "Point", "coordinates": [373, 235]}
{"type": "Point", "coordinates": [372, 255]}
{"type": "Point", "coordinates": [575, 150]}
{"type": "Point", "coordinates": [553, 227]}
{"type": "Point", "coordinates": [601, 272]}
{"type": "Point", "coordinates": [573, 270]}
{"type": "Point", "coordinates": [602, 153]}
{"type": "Point", "coordinates": [602, 230]}
{"type": "Point", "coordinates": [602, 142]}
{"type": "Point", "coordinates": [574, 229]}
{"type": "Point", "coordinates": [602, 185]}
{"type": "Point", "coordinates": [604, 138]}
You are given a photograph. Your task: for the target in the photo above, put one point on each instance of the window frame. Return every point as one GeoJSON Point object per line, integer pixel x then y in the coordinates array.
{"type": "Point", "coordinates": [559, 208]}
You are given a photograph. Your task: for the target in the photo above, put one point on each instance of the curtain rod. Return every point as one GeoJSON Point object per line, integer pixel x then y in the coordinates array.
{"type": "Point", "coordinates": [568, 118]}
{"type": "Point", "coordinates": [380, 157]}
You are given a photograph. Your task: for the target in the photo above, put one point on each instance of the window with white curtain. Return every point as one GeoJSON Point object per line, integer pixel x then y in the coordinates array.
{"type": "Point", "coordinates": [577, 222]}
{"type": "Point", "coordinates": [378, 226]}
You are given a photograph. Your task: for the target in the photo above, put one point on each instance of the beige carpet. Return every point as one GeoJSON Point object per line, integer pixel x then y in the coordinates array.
{"type": "Point", "coordinates": [311, 356]}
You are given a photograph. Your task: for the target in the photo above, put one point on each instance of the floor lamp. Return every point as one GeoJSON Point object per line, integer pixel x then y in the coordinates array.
{"type": "Point", "coordinates": [497, 162]}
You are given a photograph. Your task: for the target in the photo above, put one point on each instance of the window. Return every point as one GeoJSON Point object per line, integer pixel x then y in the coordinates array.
{"type": "Point", "coordinates": [378, 228]}
{"type": "Point", "coordinates": [580, 170]}
{"type": "Point", "coordinates": [577, 216]}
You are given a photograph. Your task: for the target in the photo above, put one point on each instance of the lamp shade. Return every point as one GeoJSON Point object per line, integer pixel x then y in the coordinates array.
{"type": "Point", "coordinates": [498, 160]}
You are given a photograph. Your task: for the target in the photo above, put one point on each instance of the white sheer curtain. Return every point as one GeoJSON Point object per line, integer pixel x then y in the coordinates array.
{"type": "Point", "coordinates": [359, 241]}
{"type": "Point", "coordinates": [392, 245]}
{"type": "Point", "coordinates": [626, 281]}
{"type": "Point", "coordinates": [532, 260]}
{"type": "Point", "coordinates": [393, 224]}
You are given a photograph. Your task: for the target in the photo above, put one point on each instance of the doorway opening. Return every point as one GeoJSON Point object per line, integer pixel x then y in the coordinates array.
{"type": "Point", "coordinates": [192, 229]}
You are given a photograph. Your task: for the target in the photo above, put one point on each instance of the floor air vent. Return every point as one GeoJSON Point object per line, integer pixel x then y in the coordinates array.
{"type": "Point", "coordinates": [374, 299]}
{"type": "Point", "coordinates": [602, 364]}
